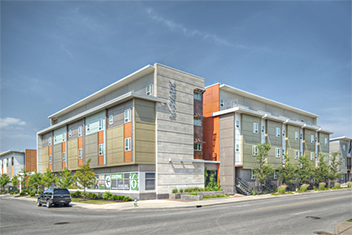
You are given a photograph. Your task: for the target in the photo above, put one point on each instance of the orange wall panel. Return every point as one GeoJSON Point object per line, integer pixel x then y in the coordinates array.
{"type": "Point", "coordinates": [80, 142]}
{"type": "Point", "coordinates": [128, 156]}
{"type": "Point", "coordinates": [7, 170]}
{"type": "Point", "coordinates": [50, 150]}
{"type": "Point", "coordinates": [63, 165]}
{"type": "Point", "coordinates": [101, 160]}
{"type": "Point", "coordinates": [12, 171]}
{"type": "Point", "coordinates": [50, 166]}
{"type": "Point", "coordinates": [64, 147]}
{"type": "Point", "coordinates": [80, 162]}
{"type": "Point", "coordinates": [101, 137]}
{"type": "Point", "coordinates": [211, 100]}
{"type": "Point", "coordinates": [128, 130]}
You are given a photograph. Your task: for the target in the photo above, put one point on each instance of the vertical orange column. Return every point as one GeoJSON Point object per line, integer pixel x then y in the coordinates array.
{"type": "Point", "coordinates": [101, 141]}
{"type": "Point", "coordinates": [128, 134]}
{"type": "Point", "coordinates": [80, 146]}
{"type": "Point", "coordinates": [12, 171]}
{"type": "Point", "coordinates": [64, 151]}
{"type": "Point", "coordinates": [51, 154]}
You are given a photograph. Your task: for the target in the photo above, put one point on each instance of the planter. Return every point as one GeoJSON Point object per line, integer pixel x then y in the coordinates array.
{"type": "Point", "coordinates": [211, 193]}
{"type": "Point", "coordinates": [192, 197]}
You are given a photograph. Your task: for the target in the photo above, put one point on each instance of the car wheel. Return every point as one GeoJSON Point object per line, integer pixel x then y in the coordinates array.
{"type": "Point", "coordinates": [38, 203]}
{"type": "Point", "coordinates": [48, 204]}
{"type": "Point", "coordinates": [67, 204]}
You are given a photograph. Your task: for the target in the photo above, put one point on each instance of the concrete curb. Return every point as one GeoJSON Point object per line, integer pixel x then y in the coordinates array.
{"type": "Point", "coordinates": [344, 227]}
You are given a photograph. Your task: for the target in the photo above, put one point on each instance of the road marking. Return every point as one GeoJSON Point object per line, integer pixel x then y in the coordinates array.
{"type": "Point", "coordinates": [301, 203]}
{"type": "Point", "coordinates": [301, 213]}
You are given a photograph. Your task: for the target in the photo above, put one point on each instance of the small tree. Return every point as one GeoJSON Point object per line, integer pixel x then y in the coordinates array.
{"type": "Point", "coordinates": [48, 178]}
{"type": "Point", "coordinates": [334, 166]}
{"type": "Point", "coordinates": [35, 180]}
{"type": "Point", "coordinates": [263, 169]}
{"type": "Point", "coordinates": [306, 171]}
{"type": "Point", "coordinates": [84, 176]}
{"type": "Point", "coordinates": [23, 177]}
{"type": "Point", "coordinates": [4, 180]}
{"type": "Point", "coordinates": [322, 172]}
{"type": "Point", "coordinates": [15, 181]}
{"type": "Point", "coordinates": [66, 179]}
{"type": "Point", "coordinates": [287, 173]}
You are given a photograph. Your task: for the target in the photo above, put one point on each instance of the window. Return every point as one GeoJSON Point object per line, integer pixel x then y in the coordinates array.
{"type": "Point", "coordinates": [296, 154]}
{"type": "Point", "coordinates": [50, 159]}
{"type": "Point", "coordinates": [325, 158]}
{"type": "Point", "coordinates": [296, 135]}
{"type": "Point", "coordinates": [149, 181]}
{"type": "Point", "coordinates": [275, 175]}
{"type": "Point", "coordinates": [283, 132]}
{"type": "Point", "coordinates": [80, 153]}
{"type": "Point", "coordinates": [49, 140]}
{"type": "Point", "coordinates": [111, 119]}
{"type": "Point", "coordinates": [69, 133]}
{"type": "Point", "coordinates": [254, 150]}
{"type": "Point", "coordinates": [263, 129]}
{"type": "Point", "coordinates": [149, 89]}
{"type": "Point", "coordinates": [63, 136]}
{"type": "Point", "coordinates": [101, 149]}
{"type": "Point", "coordinates": [64, 157]}
{"type": "Point", "coordinates": [100, 125]}
{"type": "Point", "coordinates": [79, 131]}
{"type": "Point", "coordinates": [197, 147]}
{"type": "Point", "coordinates": [222, 104]}
{"type": "Point", "coordinates": [237, 123]}
{"type": "Point", "coordinates": [344, 147]}
{"type": "Point", "coordinates": [326, 141]}
{"type": "Point", "coordinates": [12, 161]}
{"type": "Point", "coordinates": [300, 136]}
{"type": "Point", "coordinates": [197, 96]}
{"type": "Point", "coordinates": [277, 132]}
{"type": "Point", "coordinates": [128, 144]}
{"type": "Point", "coordinates": [312, 138]}
{"type": "Point", "coordinates": [252, 175]}
{"type": "Point", "coordinates": [87, 127]}
{"type": "Point", "coordinates": [277, 151]}
{"type": "Point", "coordinates": [255, 127]}
{"type": "Point", "coordinates": [127, 115]}
{"type": "Point", "coordinates": [283, 152]}
{"type": "Point", "coordinates": [312, 156]}
{"type": "Point", "coordinates": [237, 147]}
{"type": "Point", "coordinates": [197, 122]}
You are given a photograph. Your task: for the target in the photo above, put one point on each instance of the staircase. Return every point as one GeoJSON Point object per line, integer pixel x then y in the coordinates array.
{"type": "Point", "coordinates": [242, 187]}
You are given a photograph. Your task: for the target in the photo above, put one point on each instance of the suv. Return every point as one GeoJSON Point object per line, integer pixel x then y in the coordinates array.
{"type": "Point", "coordinates": [56, 196]}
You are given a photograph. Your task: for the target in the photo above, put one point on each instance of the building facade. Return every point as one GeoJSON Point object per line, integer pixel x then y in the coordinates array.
{"type": "Point", "coordinates": [343, 146]}
{"type": "Point", "coordinates": [11, 162]}
{"type": "Point", "coordinates": [142, 134]}
{"type": "Point", "coordinates": [236, 121]}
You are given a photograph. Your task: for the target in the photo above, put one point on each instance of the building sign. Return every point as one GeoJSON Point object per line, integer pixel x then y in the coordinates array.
{"type": "Point", "coordinates": [119, 181]}
{"type": "Point", "coordinates": [172, 99]}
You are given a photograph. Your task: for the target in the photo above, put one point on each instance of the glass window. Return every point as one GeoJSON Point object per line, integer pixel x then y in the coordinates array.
{"type": "Point", "coordinates": [69, 133]}
{"type": "Point", "coordinates": [149, 181]}
{"type": "Point", "coordinates": [254, 150]}
{"type": "Point", "coordinates": [252, 175]}
{"type": "Point", "coordinates": [296, 154]}
{"type": "Point", "coordinates": [149, 89]}
{"type": "Point", "coordinates": [50, 159]}
{"type": "Point", "coordinates": [12, 161]}
{"type": "Point", "coordinates": [275, 175]}
{"type": "Point", "coordinates": [296, 135]}
{"type": "Point", "coordinates": [344, 147]}
{"type": "Point", "coordinates": [326, 141]}
{"type": "Point", "coordinates": [222, 103]}
{"type": "Point", "coordinates": [49, 140]}
{"type": "Point", "coordinates": [197, 122]}
{"type": "Point", "coordinates": [100, 124]}
{"type": "Point", "coordinates": [87, 127]}
{"type": "Point", "coordinates": [111, 119]}
{"type": "Point", "coordinates": [283, 132]}
{"type": "Point", "coordinates": [312, 138]}
{"type": "Point", "coordinates": [237, 147]}
{"type": "Point", "coordinates": [237, 123]}
{"type": "Point", "coordinates": [80, 153]}
{"type": "Point", "coordinates": [325, 158]}
{"type": "Point", "coordinates": [127, 115]}
{"type": "Point", "coordinates": [277, 151]}
{"type": "Point", "coordinates": [255, 127]}
{"type": "Point", "coordinates": [312, 156]}
{"type": "Point", "coordinates": [277, 132]}
{"type": "Point", "coordinates": [63, 157]}
{"type": "Point", "coordinates": [128, 144]}
{"type": "Point", "coordinates": [101, 149]}
{"type": "Point", "coordinates": [197, 96]}
{"type": "Point", "coordinates": [79, 131]}
{"type": "Point", "coordinates": [263, 129]}
{"type": "Point", "coordinates": [197, 147]}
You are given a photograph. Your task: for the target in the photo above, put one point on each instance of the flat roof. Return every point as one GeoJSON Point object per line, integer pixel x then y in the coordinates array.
{"type": "Point", "coordinates": [9, 152]}
{"type": "Point", "coordinates": [266, 100]}
{"type": "Point", "coordinates": [120, 83]}
{"type": "Point", "coordinates": [344, 138]}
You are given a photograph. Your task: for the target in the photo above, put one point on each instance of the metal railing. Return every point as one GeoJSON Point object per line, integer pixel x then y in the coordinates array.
{"type": "Point", "coordinates": [242, 187]}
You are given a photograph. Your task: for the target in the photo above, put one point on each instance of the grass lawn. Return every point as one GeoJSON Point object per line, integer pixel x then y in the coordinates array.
{"type": "Point", "coordinates": [219, 195]}
{"type": "Point", "coordinates": [350, 220]}
{"type": "Point", "coordinates": [88, 201]}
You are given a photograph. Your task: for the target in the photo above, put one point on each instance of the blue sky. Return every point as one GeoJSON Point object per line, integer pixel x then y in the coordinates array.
{"type": "Point", "coordinates": [54, 53]}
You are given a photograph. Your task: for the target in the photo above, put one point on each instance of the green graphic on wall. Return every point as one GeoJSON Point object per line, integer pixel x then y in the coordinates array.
{"type": "Point", "coordinates": [107, 181]}
{"type": "Point", "coordinates": [134, 181]}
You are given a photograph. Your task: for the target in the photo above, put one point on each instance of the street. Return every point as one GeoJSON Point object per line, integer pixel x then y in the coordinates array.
{"type": "Point", "coordinates": [303, 214]}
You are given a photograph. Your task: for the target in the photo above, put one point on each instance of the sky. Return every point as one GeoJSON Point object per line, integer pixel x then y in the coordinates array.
{"type": "Point", "coordinates": [54, 53]}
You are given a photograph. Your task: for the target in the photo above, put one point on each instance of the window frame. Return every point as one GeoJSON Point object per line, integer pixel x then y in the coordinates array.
{"type": "Point", "coordinates": [79, 131]}
{"type": "Point", "coordinates": [111, 119]}
{"type": "Point", "coordinates": [312, 156]}
{"type": "Point", "coordinates": [344, 147]}
{"type": "Point", "coordinates": [222, 103]}
{"type": "Point", "coordinates": [255, 127]}
{"type": "Point", "coordinates": [237, 123]}
{"type": "Point", "coordinates": [149, 89]}
{"type": "Point", "coordinates": [127, 115]}
{"type": "Point", "coordinates": [127, 144]}
{"type": "Point", "coordinates": [296, 135]}
{"type": "Point", "coordinates": [50, 159]}
{"type": "Point", "coordinates": [69, 133]}
{"type": "Point", "coordinates": [197, 96]}
{"type": "Point", "coordinates": [196, 120]}
{"type": "Point", "coordinates": [296, 154]}
{"type": "Point", "coordinates": [195, 147]}
{"type": "Point", "coordinates": [64, 157]}
{"type": "Point", "coordinates": [101, 123]}
{"type": "Point", "coordinates": [80, 153]}
{"type": "Point", "coordinates": [254, 150]}
{"type": "Point", "coordinates": [278, 131]}
{"type": "Point", "coordinates": [277, 152]}
{"type": "Point", "coordinates": [49, 140]}
{"type": "Point", "coordinates": [252, 174]}
{"type": "Point", "coordinates": [312, 138]}
{"type": "Point", "coordinates": [325, 141]}
{"type": "Point", "coordinates": [325, 158]}
{"type": "Point", "coordinates": [101, 149]}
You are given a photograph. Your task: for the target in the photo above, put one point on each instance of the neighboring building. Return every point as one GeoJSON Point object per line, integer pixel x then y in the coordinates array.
{"type": "Point", "coordinates": [11, 162]}
{"type": "Point", "coordinates": [343, 145]}
{"type": "Point", "coordinates": [142, 133]}
{"type": "Point", "coordinates": [236, 121]}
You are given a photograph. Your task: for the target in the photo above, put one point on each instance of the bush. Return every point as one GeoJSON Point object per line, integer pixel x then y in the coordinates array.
{"type": "Point", "coordinates": [107, 195]}
{"type": "Point", "coordinates": [22, 193]}
{"type": "Point", "coordinates": [16, 192]}
{"type": "Point", "coordinates": [76, 194]}
{"type": "Point", "coordinates": [282, 189]}
{"type": "Point", "coordinates": [336, 185]}
{"type": "Point", "coordinates": [115, 197]}
{"type": "Point", "coordinates": [120, 197]}
{"type": "Point", "coordinates": [12, 193]}
{"type": "Point", "coordinates": [126, 199]}
{"type": "Point", "coordinates": [193, 193]}
{"type": "Point", "coordinates": [253, 192]}
{"type": "Point", "coordinates": [304, 188]}
{"type": "Point", "coordinates": [322, 186]}
{"type": "Point", "coordinates": [181, 190]}
{"type": "Point", "coordinates": [32, 193]}
{"type": "Point", "coordinates": [92, 195]}
{"type": "Point", "coordinates": [100, 196]}
{"type": "Point", "coordinates": [84, 194]}
{"type": "Point", "coordinates": [349, 184]}
{"type": "Point", "coordinates": [314, 187]}
{"type": "Point", "coordinates": [175, 190]}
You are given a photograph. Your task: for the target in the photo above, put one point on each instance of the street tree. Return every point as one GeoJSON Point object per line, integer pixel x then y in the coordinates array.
{"type": "Point", "coordinates": [262, 169]}
{"type": "Point", "coordinates": [48, 178]}
{"type": "Point", "coordinates": [35, 181]}
{"type": "Point", "coordinates": [23, 177]}
{"type": "Point", "coordinates": [84, 176]}
{"type": "Point", "coordinates": [306, 170]}
{"type": "Point", "coordinates": [4, 180]}
{"type": "Point", "coordinates": [334, 166]}
{"type": "Point", "coordinates": [15, 181]}
{"type": "Point", "coordinates": [287, 173]}
{"type": "Point", "coordinates": [321, 173]}
{"type": "Point", "coordinates": [66, 179]}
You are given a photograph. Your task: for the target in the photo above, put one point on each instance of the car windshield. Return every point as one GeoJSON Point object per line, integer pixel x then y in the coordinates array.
{"type": "Point", "coordinates": [61, 191]}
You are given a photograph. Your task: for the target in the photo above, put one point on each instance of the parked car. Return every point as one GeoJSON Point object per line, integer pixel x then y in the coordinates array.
{"type": "Point", "coordinates": [54, 196]}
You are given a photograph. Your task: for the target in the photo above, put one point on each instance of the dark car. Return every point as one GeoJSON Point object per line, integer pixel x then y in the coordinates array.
{"type": "Point", "coordinates": [54, 196]}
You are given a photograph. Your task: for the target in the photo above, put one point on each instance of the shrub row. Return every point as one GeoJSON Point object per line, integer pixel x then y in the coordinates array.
{"type": "Point", "coordinates": [197, 189]}
{"type": "Point", "coordinates": [106, 196]}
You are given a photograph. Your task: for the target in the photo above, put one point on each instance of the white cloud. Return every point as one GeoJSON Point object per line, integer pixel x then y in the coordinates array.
{"type": "Point", "coordinates": [10, 122]}
{"type": "Point", "coordinates": [191, 32]}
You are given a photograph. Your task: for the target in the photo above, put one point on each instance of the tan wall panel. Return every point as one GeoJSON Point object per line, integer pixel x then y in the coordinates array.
{"type": "Point", "coordinates": [115, 145]}
{"type": "Point", "coordinates": [145, 143]}
{"type": "Point", "coordinates": [45, 159]}
{"type": "Point", "coordinates": [249, 139]}
{"type": "Point", "coordinates": [144, 111]}
{"type": "Point", "coordinates": [91, 149]}
{"type": "Point", "coordinates": [57, 157]}
{"type": "Point", "coordinates": [72, 155]}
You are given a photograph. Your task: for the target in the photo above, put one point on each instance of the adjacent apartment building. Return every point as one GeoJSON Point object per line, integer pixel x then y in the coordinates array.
{"type": "Point", "coordinates": [343, 146]}
{"type": "Point", "coordinates": [11, 162]}
{"type": "Point", "coordinates": [140, 134]}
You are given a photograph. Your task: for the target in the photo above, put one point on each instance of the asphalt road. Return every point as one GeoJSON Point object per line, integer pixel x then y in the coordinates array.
{"type": "Point", "coordinates": [285, 215]}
